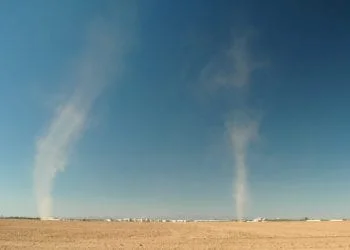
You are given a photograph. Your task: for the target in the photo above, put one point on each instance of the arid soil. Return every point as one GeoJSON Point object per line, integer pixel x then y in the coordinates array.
{"type": "Point", "coordinates": [32, 234]}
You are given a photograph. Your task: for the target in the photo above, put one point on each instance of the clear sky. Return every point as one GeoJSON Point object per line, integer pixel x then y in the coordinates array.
{"type": "Point", "coordinates": [155, 141]}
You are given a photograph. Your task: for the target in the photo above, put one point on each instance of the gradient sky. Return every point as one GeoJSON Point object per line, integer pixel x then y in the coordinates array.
{"type": "Point", "coordinates": [156, 142]}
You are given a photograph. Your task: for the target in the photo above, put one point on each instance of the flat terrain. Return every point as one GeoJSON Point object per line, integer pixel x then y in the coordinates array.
{"type": "Point", "coordinates": [31, 234]}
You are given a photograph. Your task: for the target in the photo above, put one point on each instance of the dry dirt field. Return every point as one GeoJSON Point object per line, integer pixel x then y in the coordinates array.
{"type": "Point", "coordinates": [31, 234]}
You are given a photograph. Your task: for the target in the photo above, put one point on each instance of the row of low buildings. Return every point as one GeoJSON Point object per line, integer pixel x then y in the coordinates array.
{"type": "Point", "coordinates": [143, 220]}
{"type": "Point", "coordinates": [258, 219]}
{"type": "Point", "coordinates": [161, 220]}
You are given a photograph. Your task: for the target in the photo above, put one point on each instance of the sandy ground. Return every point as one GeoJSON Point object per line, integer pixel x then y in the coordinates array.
{"type": "Point", "coordinates": [30, 234]}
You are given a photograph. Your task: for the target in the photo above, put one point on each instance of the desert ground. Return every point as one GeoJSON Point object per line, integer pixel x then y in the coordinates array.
{"type": "Point", "coordinates": [35, 234]}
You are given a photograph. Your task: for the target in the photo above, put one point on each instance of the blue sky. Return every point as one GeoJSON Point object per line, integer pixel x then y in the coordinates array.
{"type": "Point", "coordinates": [155, 141]}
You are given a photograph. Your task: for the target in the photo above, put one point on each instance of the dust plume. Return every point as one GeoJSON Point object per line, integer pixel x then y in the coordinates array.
{"type": "Point", "coordinates": [232, 70]}
{"type": "Point", "coordinates": [96, 66]}
{"type": "Point", "coordinates": [243, 131]}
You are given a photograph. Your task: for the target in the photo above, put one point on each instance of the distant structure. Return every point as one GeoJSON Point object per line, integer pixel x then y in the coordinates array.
{"type": "Point", "coordinates": [49, 218]}
{"type": "Point", "coordinates": [178, 220]}
{"type": "Point", "coordinates": [211, 220]}
{"type": "Point", "coordinates": [258, 219]}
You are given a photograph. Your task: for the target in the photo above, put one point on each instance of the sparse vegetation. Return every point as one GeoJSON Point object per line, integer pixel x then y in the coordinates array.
{"type": "Point", "coordinates": [19, 218]}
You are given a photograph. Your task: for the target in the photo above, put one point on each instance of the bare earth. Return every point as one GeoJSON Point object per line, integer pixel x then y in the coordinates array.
{"type": "Point", "coordinates": [31, 234]}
